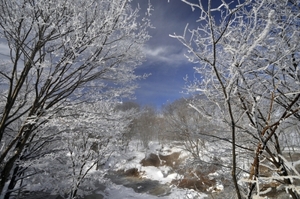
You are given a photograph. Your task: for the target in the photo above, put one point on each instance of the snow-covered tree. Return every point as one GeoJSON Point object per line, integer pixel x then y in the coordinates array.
{"type": "Point", "coordinates": [83, 137]}
{"type": "Point", "coordinates": [57, 52]}
{"type": "Point", "coordinates": [248, 64]}
{"type": "Point", "coordinates": [187, 125]}
{"type": "Point", "coordinates": [145, 126]}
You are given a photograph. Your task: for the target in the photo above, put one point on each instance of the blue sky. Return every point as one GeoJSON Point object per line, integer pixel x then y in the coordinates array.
{"type": "Point", "coordinates": [165, 58]}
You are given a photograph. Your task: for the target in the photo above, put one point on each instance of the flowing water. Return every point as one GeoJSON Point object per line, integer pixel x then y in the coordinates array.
{"type": "Point", "coordinates": [140, 185]}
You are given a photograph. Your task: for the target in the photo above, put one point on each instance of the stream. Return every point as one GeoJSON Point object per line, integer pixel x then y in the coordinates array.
{"type": "Point", "coordinates": [140, 185]}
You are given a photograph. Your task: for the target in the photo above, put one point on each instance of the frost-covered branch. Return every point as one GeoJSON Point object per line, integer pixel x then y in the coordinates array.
{"type": "Point", "coordinates": [247, 68]}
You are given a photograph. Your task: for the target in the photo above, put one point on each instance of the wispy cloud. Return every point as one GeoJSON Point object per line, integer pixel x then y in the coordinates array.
{"type": "Point", "coordinates": [170, 55]}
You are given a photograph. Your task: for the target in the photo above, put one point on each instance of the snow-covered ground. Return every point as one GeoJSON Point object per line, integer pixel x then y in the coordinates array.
{"type": "Point", "coordinates": [132, 157]}
{"type": "Point", "coordinates": [152, 181]}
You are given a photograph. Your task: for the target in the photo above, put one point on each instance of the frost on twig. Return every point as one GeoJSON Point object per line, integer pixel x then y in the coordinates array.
{"type": "Point", "coordinates": [247, 66]}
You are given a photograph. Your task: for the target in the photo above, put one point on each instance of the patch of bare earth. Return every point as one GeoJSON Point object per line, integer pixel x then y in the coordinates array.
{"type": "Point", "coordinates": [197, 179]}
{"type": "Point", "coordinates": [171, 160]}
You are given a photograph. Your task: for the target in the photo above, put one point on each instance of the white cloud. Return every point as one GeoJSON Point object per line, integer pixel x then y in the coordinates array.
{"type": "Point", "coordinates": [170, 55]}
